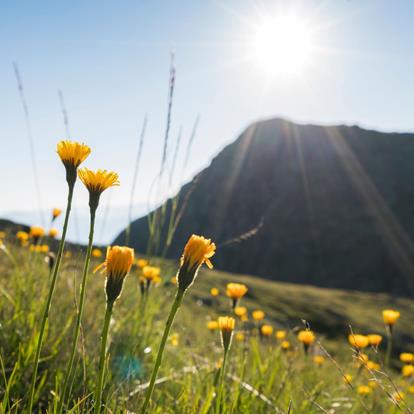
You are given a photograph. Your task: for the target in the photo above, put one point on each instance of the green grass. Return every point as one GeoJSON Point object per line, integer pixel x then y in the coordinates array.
{"type": "Point", "coordinates": [261, 378]}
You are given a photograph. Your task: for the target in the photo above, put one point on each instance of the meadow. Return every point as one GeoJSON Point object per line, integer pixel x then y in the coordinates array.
{"type": "Point", "coordinates": [122, 332]}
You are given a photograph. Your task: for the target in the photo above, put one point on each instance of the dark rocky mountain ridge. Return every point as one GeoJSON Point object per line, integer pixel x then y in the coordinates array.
{"type": "Point", "coordinates": [333, 206]}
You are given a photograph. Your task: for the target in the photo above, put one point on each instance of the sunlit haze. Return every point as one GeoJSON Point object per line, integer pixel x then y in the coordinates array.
{"type": "Point", "coordinates": [237, 61]}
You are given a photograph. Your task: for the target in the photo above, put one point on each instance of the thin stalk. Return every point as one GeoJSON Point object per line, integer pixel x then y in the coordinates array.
{"type": "Point", "coordinates": [134, 180]}
{"type": "Point", "coordinates": [46, 309]}
{"type": "Point", "coordinates": [389, 347]}
{"type": "Point", "coordinates": [220, 384]}
{"type": "Point", "coordinates": [102, 357]}
{"type": "Point", "coordinates": [174, 308]}
{"type": "Point", "coordinates": [80, 311]}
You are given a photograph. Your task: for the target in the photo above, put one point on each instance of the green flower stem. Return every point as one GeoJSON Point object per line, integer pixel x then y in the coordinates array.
{"type": "Point", "coordinates": [102, 358]}
{"type": "Point", "coordinates": [220, 383]}
{"type": "Point", "coordinates": [174, 308]}
{"type": "Point", "coordinates": [69, 367]}
{"type": "Point", "coordinates": [389, 347]}
{"type": "Point", "coordinates": [46, 309]}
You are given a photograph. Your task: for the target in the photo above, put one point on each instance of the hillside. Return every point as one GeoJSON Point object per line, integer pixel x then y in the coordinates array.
{"type": "Point", "coordinates": [333, 206]}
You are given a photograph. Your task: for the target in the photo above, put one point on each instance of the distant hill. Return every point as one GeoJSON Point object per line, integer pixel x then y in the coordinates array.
{"type": "Point", "coordinates": [332, 206]}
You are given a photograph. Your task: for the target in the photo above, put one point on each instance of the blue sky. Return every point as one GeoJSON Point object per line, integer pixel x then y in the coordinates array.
{"type": "Point", "coordinates": [111, 59]}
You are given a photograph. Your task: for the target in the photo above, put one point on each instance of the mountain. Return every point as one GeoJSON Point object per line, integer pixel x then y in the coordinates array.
{"type": "Point", "coordinates": [331, 206]}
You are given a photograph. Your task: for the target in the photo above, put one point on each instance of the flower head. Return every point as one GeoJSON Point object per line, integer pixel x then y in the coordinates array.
{"type": "Point", "coordinates": [318, 359]}
{"type": "Point", "coordinates": [22, 236]}
{"type": "Point", "coordinates": [141, 263]}
{"type": "Point", "coordinates": [373, 366]}
{"type": "Point", "coordinates": [53, 232]}
{"type": "Point", "coordinates": [364, 390]}
{"type": "Point", "coordinates": [212, 325]}
{"type": "Point", "coordinates": [56, 212]}
{"type": "Point", "coordinates": [398, 396]}
{"type": "Point", "coordinates": [214, 292]}
{"type": "Point", "coordinates": [407, 371]}
{"type": "Point", "coordinates": [266, 330]}
{"type": "Point", "coordinates": [358, 341]}
{"type": "Point", "coordinates": [240, 311]}
{"type": "Point", "coordinates": [197, 251]}
{"type": "Point", "coordinates": [280, 335]}
{"type": "Point", "coordinates": [151, 272]}
{"type": "Point", "coordinates": [236, 290]}
{"type": "Point", "coordinates": [258, 315]}
{"type": "Point", "coordinates": [348, 378]}
{"type": "Point", "coordinates": [36, 233]}
{"type": "Point", "coordinates": [390, 316]}
{"type": "Point", "coordinates": [239, 336]}
{"type": "Point", "coordinates": [285, 345]}
{"type": "Point", "coordinates": [306, 337]}
{"type": "Point", "coordinates": [96, 253]}
{"type": "Point", "coordinates": [226, 326]}
{"type": "Point", "coordinates": [97, 182]}
{"type": "Point", "coordinates": [72, 155]}
{"type": "Point", "coordinates": [117, 264]}
{"type": "Point", "coordinates": [374, 339]}
{"type": "Point", "coordinates": [407, 357]}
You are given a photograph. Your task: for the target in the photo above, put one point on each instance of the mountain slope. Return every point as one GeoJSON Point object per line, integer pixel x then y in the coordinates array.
{"type": "Point", "coordinates": [335, 204]}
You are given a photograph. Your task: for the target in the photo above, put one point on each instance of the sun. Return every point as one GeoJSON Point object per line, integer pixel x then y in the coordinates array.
{"type": "Point", "coordinates": [281, 45]}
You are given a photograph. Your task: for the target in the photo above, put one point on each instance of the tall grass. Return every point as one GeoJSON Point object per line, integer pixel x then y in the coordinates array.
{"type": "Point", "coordinates": [260, 376]}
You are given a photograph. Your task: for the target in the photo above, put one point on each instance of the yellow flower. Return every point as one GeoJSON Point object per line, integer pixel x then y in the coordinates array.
{"type": "Point", "coordinates": [407, 357]}
{"type": "Point", "coordinates": [72, 153]}
{"type": "Point", "coordinates": [363, 358]}
{"type": "Point", "coordinates": [348, 378]}
{"type": "Point", "coordinates": [358, 341]}
{"type": "Point", "coordinates": [214, 292]}
{"type": "Point", "coordinates": [364, 390]}
{"type": "Point", "coordinates": [117, 264]}
{"type": "Point", "coordinates": [374, 339]}
{"type": "Point", "coordinates": [258, 315]}
{"type": "Point", "coordinates": [157, 280]}
{"type": "Point", "coordinates": [2, 234]}
{"type": "Point", "coordinates": [240, 311]}
{"type": "Point", "coordinates": [36, 232]}
{"type": "Point", "coordinates": [96, 253]}
{"type": "Point", "coordinates": [151, 272]}
{"type": "Point", "coordinates": [175, 339]}
{"type": "Point", "coordinates": [239, 336]}
{"type": "Point", "coordinates": [173, 280]}
{"type": "Point", "coordinates": [398, 396]}
{"type": "Point", "coordinates": [244, 318]}
{"type": "Point", "coordinates": [226, 326]}
{"type": "Point", "coordinates": [22, 236]}
{"type": "Point", "coordinates": [280, 335]}
{"type": "Point", "coordinates": [411, 389]}
{"type": "Point", "coordinates": [53, 232]}
{"type": "Point", "coordinates": [306, 337]}
{"type": "Point", "coordinates": [285, 345]}
{"type": "Point", "coordinates": [96, 182]}
{"type": "Point", "coordinates": [236, 290]}
{"type": "Point", "coordinates": [197, 251]}
{"type": "Point", "coordinates": [141, 263]}
{"type": "Point", "coordinates": [212, 325]}
{"type": "Point", "coordinates": [373, 366]}
{"type": "Point", "coordinates": [56, 212]}
{"type": "Point", "coordinates": [266, 330]}
{"type": "Point", "coordinates": [44, 248]}
{"type": "Point", "coordinates": [407, 370]}
{"type": "Point", "coordinates": [318, 359]}
{"type": "Point", "coordinates": [390, 316]}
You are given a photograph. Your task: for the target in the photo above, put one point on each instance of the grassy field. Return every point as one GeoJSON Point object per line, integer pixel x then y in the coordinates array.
{"type": "Point", "coordinates": [260, 376]}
